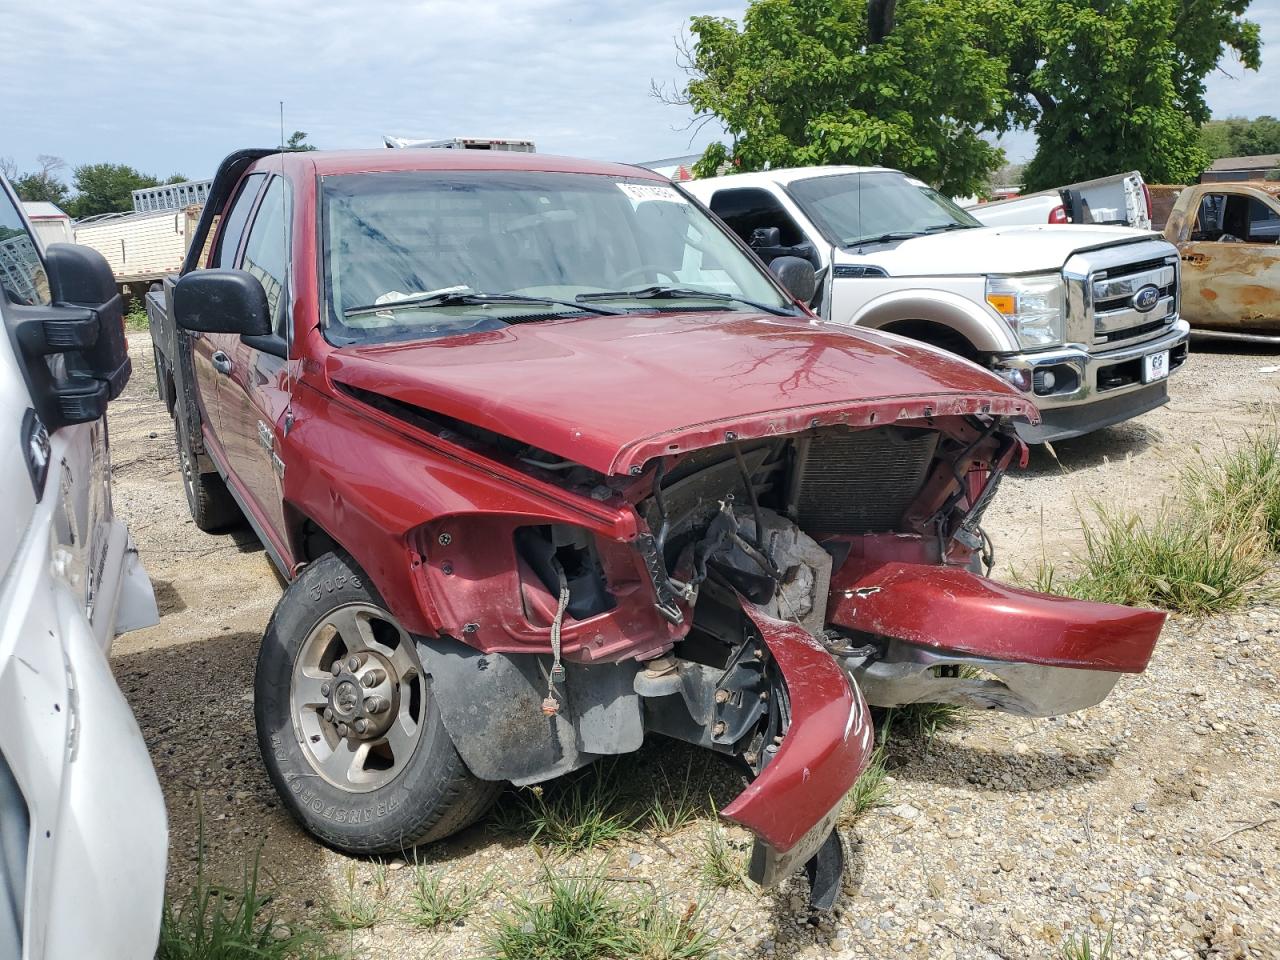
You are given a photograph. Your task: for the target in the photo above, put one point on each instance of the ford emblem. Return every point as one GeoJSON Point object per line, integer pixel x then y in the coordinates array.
{"type": "Point", "coordinates": [1146, 298]}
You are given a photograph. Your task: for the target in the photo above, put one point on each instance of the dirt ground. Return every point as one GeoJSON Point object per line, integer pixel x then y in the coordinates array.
{"type": "Point", "coordinates": [1150, 816]}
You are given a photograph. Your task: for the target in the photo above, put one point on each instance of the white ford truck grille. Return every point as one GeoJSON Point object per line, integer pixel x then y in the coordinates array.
{"type": "Point", "coordinates": [1133, 301]}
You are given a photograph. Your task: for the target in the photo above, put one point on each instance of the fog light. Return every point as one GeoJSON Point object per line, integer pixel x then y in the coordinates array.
{"type": "Point", "coordinates": [1019, 378]}
{"type": "Point", "coordinates": [1044, 381]}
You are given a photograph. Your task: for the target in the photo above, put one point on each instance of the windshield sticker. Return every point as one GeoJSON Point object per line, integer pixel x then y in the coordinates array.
{"type": "Point", "coordinates": [651, 191]}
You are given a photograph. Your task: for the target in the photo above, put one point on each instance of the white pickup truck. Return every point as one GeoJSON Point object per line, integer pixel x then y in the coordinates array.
{"type": "Point", "coordinates": [1120, 200]}
{"type": "Point", "coordinates": [83, 839]}
{"type": "Point", "coordinates": [1084, 320]}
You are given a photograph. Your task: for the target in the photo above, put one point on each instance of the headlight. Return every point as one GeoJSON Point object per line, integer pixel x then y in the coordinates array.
{"type": "Point", "coordinates": [1032, 306]}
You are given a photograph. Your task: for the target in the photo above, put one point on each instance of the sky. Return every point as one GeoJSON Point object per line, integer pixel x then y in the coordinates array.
{"type": "Point", "coordinates": [171, 88]}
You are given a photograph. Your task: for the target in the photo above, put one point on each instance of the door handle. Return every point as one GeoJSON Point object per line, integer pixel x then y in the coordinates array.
{"type": "Point", "coordinates": [221, 362]}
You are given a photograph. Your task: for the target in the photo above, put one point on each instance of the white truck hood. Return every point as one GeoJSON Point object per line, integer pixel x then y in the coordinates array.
{"type": "Point", "coordinates": [980, 251]}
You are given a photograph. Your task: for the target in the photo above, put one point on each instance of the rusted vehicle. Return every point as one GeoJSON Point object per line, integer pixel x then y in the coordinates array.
{"type": "Point", "coordinates": [1228, 238]}
{"type": "Point", "coordinates": [553, 464]}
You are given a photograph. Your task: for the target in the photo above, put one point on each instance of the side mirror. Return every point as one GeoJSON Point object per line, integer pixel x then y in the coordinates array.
{"type": "Point", "coordinates": [797, 275]}
{"type": "Point", "coordinates": [85, 326]}
{"type": "Point", "coordinates": [766, 237]}
{"type": "Point", "coordinates": [222, 301]}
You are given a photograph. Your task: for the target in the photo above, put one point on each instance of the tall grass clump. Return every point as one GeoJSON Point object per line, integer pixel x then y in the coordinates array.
{"type": "Point", "coordinates": [583, 918]}
{"type": "Point", "coordinates": [573, 814]}
{"type": "Point", "coordinates": [212, 922]}
{"type": "Point", "coordinates": [1080, 947]}
{"type": "Point", "coordinates": [1242, 486]}
{"type": "Point", "coordinates": [1180, 559]}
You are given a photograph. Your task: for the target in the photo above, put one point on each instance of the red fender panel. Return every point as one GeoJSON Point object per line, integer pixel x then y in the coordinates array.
{"type": "Point", "coordinates": [948, 608]}
{"type": "Point", "coordinates": [826, 747]}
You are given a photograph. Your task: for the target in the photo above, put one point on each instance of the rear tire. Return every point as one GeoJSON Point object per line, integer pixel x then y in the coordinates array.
{"type": "Point", "coordinates": [351, 737]}
{"type": "Point", "coordinates": [212, 507]}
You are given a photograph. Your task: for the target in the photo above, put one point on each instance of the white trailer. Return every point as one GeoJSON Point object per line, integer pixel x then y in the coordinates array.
{"type": "Point", "coordinates": [141, 247]}
{"type": "Point", "coordinates": [48, 222]}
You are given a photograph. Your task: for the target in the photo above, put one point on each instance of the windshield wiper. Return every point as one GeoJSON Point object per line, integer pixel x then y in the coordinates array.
{"type": "Point", "coordinates": [943, 227]}
{"type": "Point", "coordinates": [659, 292]}
{"type": "Point", "coordinates": [466, 297]}
{"type": "Point", "coordinates": [882, 238]}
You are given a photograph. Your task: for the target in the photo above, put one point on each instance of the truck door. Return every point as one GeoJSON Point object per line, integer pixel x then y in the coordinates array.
{"type": "Point", "coordinates": [211, 354]}
{"type": "Point", "coordinates": [255, 393]}
{"type": "Point", "coordinates": [1231, 262]}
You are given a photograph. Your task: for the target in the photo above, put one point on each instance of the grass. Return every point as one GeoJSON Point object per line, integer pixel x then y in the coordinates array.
{"type": "Point", "coordinates": [1190, 560]}
{"type": "Point", "coordinates": [1080, 947]}
{"type": "Point", "coordinates": [438, 902]}
{"type": "Point", "coordinates": [216, 923]}
{"type": "Point", "coordinates": [574, 814]}
{"type": "Point", "coordinates": [1242, 487]}
{"type": "Point", "coordinates": [722, 864]}
{"type": "Point", "coordinates": [869, 790]}
{"type": "Point", "coordinates": [136, 319]}
{"type": "Point", "coordinates": [355, 910]}
{"type": "Point", "coordinates": [672, 809]}
{"type": "Point", "coordinates": [582, 918]}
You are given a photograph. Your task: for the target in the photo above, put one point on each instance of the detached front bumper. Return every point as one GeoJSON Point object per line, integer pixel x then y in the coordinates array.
{"type": "Point", "coordinates": [1078, 392]}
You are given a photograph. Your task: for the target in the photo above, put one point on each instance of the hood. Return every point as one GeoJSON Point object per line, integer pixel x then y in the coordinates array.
{"type": "Point", "coordinates": [991, 250]}
{"type": "Point", "coordinates": [612, 392]}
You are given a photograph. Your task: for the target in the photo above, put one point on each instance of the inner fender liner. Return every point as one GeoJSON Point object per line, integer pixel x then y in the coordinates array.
{"type": "Point", "coordinates": [491, 704]}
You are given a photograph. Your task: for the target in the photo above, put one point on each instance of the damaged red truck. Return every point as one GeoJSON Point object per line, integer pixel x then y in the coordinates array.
{"type": "Point", "coordinates": [552, 463]}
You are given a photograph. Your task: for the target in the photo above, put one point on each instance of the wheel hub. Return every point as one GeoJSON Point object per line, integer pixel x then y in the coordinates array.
{"type": "Point", "coordinates": [361, 696]}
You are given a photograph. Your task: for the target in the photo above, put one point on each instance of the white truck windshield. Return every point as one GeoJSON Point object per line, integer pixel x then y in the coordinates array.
{"type": "Point", "coordinates": [857, 208]}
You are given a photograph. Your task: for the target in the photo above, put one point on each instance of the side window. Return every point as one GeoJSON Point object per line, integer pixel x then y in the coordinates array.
{"type": "Point", "coordinates": [22, 275]}
{"type": "Point", "coordinates": [266, 252]}
{"type": "Point", "coordinates": [224, 253]}
{"type": "Point", "coordinates": [746, 209]}
{"type": "Point", "coordinates": [1264, 222]}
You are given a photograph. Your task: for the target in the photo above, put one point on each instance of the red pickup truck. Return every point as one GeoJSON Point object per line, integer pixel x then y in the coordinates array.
{"type": "Point", "coordinates": [552, 463]}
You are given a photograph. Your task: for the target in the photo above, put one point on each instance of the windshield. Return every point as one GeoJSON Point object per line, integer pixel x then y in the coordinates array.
{"type": "Point", "coordinates": [433, 254]}
{"type": "Point", "coordinates": [853, 208]}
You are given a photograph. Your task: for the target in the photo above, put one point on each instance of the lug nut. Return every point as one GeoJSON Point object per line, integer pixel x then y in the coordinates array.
{"type": "Point", "coordinates": [376, 704]}
{"type": "Point", "coordinates": [324, 689]}
{"type": "Point", "coordinates": [373, 677]}
{"type": "Point", "coordinates": [342, 730]}
{"type": "Point", "coordinates": [337, 667]}
{"type": "Point", "coordinates": [361, 725]}
{"type": "Point", "coordinates": [353, 663]}
{"type": "Point", "coordinates": [328, 715]}
{"type": "Point", "coordinates": [722, 696]}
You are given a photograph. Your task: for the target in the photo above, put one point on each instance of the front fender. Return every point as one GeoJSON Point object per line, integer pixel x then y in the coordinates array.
{"type": "Point", "coordinates": [792, 805]}
{"type": "Point", "coordinates": [970, 320]}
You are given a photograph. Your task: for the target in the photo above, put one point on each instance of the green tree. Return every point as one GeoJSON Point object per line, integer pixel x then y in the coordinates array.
{"type": "Point", "coordinates": [107, 187]}
{"type": "Point", "coordinates": [1116, 85]}
{"type": "Point", "coordinates": [298, 142]}
{"type": "Point", "coordinates": [822, 81]}
{"type": "Point", "coordinates": [1238, 137]}
{"type": "Point", "coordinates": [43, 184]}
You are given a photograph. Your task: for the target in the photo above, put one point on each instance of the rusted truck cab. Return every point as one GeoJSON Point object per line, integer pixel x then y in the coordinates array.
{"type": "Point", "coordinates": [554, 465]}
{"type": "Point", "coordinates": [1228, 238]}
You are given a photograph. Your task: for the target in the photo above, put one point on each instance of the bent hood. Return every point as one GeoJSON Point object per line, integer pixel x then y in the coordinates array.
{"type": "Point", "coordinates": [612, 392]}
{"type": "Point", "coordinates": [991, 250]}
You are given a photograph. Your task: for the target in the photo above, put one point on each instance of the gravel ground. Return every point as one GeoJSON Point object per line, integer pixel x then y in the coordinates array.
{"type": "Point", "coordinates": [1153, 816]}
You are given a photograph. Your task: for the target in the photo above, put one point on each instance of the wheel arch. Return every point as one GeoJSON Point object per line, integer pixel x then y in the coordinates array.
{"type": "Point", "coordinates": [940, 312]}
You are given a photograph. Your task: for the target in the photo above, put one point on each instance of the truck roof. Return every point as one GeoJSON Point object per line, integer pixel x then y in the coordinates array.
{"type": "Point", "coordinates": [791, 174]}
{"type": "Point", "coordinates": [333, 162]}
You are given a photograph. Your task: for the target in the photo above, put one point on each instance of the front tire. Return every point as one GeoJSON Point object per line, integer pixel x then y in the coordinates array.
{"type": "Point", "coordinates": [212, 507]}
{"type": "Point", "coordinates": [351, 737]}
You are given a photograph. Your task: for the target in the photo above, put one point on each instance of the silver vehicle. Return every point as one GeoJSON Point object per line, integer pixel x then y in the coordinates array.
{"type": "Point", "coordinates": [82, 821]}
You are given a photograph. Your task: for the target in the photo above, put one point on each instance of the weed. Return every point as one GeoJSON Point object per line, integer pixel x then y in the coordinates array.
{"type": "Point", "coordinates": [136, 319]}
{"type": "Point", "coordinates": [1080, 947]}
{"type": "Point", "coordinates": [355, 910]}
{"type": "Point", "coordinates": [575, 814]}
{"type": "Point", "coordinates": [671, 810]}
{"type": "Point", "coordinates": [216, 923]}
{"type": "Point", "coordinates": [722, 864]}
{"type": "Point", "coordinates": [869, 790]}
{"type": "Point", "coordinates": [1242, 487]}
{"type": "Point", "coordinates": [1185, 561]}
{"type": "Point", "coordinates": [582, 919]}
{"type": "Point", "coordinates": [438, 902]}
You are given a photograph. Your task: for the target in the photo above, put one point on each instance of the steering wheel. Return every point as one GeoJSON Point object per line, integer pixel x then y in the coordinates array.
{"type": "Point", "coordinates": [643, 272]}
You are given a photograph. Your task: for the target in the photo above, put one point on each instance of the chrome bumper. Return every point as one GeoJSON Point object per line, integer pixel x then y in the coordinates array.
{"type": "Point", "coordinates": [1109, 380]}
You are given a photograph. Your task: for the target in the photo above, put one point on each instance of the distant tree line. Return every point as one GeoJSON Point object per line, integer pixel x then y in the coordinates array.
{"type": "Point", "coordinates": [95, 187]}
{"type": "Point", "coordinates": [1238, 137]}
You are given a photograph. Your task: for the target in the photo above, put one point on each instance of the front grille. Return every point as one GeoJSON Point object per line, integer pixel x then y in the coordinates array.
{"type": "Point", "coordinates": [1112, 292]}
{"type": "Point", "coordinates": [859, 481]}
{"type": "Point", "coordinates": [1138, 331]}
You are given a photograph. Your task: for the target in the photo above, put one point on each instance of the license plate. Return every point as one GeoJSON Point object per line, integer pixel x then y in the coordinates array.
{"type": "Point", "coordinates": [1155, 366]}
